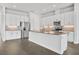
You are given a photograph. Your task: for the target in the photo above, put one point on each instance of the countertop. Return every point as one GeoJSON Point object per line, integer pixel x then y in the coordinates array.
{"type": "Point", "coordinates": [48, 30]}
{"type": "Point", "coordinates": [12, 28]}
{"type": "Point", "coordinates": [51, 32]}
{"type": "Point", "coordinates": [67, 28]}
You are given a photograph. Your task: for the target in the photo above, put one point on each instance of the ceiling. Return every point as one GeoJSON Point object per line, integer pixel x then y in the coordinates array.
{"type": "Point", "coordinates": [35, 7]}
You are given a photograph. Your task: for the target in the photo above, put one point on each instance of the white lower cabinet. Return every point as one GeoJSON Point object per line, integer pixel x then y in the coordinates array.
{"type": "Point", "coordinates": [71, 37]}
{"type": "Point", "coordinates": [13, 35]}
{"type": "Point", "coordinates": [56, 43]}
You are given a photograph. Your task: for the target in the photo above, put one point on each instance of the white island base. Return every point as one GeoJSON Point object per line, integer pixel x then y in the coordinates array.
{"type": "Point", "coordinates": [56, 43]}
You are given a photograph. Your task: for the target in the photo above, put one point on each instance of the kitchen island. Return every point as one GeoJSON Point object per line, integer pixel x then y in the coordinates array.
{"type": "Point", "coordinates": [56, 42]}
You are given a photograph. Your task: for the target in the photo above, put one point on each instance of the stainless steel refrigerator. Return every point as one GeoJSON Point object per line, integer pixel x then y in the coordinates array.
{"type": "Point", "coordinates": [25, 27]}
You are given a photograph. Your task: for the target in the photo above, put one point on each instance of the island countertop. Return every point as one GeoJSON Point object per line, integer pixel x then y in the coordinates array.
{"type": "Point", "coordinates": [51, 32]}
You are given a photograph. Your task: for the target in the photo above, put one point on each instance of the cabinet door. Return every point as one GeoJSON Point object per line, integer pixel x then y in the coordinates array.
{"type": "Point", "coordinates": [13, 35]}
{"type": "Point", "coordinates": [9, 35]}
{"type": "Point", "coordinates": [71, 36]}
{"type": "Point", "coordinates": [17, 35]}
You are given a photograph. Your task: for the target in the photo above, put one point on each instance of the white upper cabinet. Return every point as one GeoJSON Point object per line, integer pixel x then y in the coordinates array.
{"type": "Point", "coordinates": [12, 19]}
{"type": "Point", "coordinates": [65, 15]}
{"type": "Point", "coordinates": [65, 18]}
{"type": "Point", "coordinates": [35, 21]}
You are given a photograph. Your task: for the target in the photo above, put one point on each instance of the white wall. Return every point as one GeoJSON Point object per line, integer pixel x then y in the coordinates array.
{"type": "Point", "coordinates": [3, 23]}
{"type": "Point", "coordinates": [0, 27]}
{"type": "Point", "coordinates": [76, 22]}
{"type": "Point", "coordinates": [0, 17]}
{"type": "Point", "coordinates": [0, 24]}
